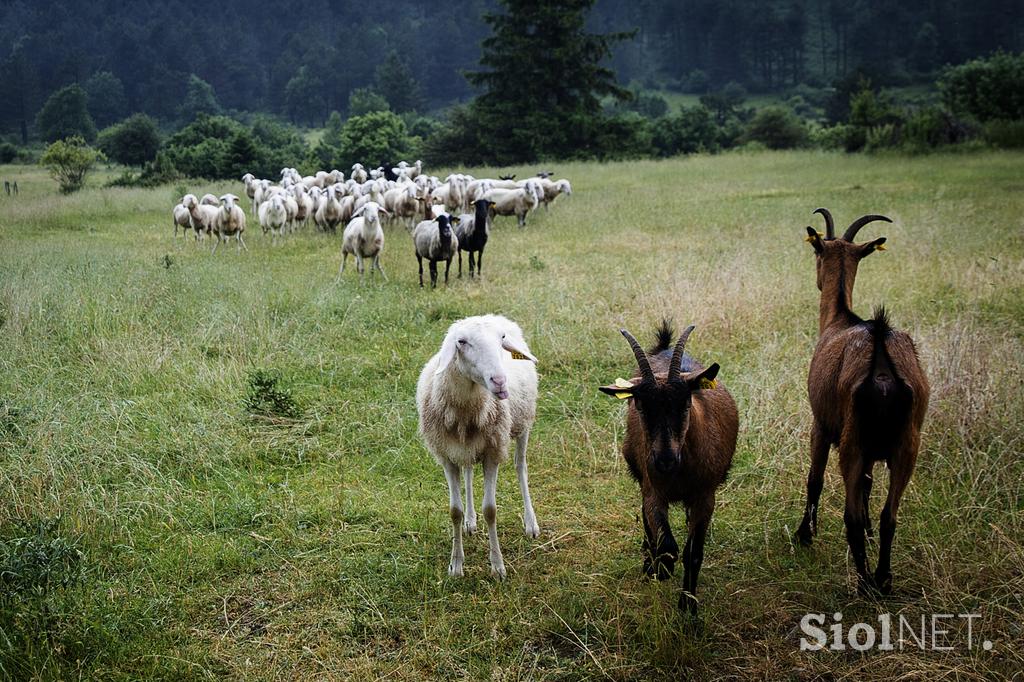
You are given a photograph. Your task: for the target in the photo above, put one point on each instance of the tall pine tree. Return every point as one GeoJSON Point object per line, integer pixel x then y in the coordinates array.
{"type": "Point", "coordinates": [544, 79]}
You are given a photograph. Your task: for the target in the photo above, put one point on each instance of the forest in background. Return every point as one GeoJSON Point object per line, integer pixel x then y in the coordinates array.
{"type": "Point", "coordinates": [300, 62]}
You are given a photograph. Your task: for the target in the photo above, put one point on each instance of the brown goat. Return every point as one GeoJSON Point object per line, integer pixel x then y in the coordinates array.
{"type": "Point", "coordinates": [680, 438]}
{"type": "Point", "coordinates": [868, 395]}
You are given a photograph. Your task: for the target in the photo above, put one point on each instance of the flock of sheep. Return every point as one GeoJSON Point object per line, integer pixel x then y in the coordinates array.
{"type": "Point", "coordinates": [454, 214]}
{"type": "Point", "coordinates": [478, 393]}
{"type": "Point", "coordinates": [867, 390]}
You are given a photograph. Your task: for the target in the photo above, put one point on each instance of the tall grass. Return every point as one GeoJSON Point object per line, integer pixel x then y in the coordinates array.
{"type": "Point", "coordinates": [230, 444]}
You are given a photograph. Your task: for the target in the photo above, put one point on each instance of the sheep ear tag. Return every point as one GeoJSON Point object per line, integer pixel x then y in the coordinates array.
{"type": "Point", "coordinates": [516, 355]}
{"type": "Point", "coordinates": [621, 389]}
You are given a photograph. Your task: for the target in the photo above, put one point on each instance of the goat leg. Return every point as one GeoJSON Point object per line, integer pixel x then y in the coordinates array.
{"type": "Point", "coordinates": [815, 479]}
{"type": "Point", "coordinates": [693, 552]}
{"type": "Point", "coordinates": [666, 551]}
{"type": "Point", "coordinates": [852, 465]}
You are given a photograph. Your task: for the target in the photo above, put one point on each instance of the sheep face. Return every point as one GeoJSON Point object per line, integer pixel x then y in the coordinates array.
{"type": "Point", "coordinates": [476, 348]}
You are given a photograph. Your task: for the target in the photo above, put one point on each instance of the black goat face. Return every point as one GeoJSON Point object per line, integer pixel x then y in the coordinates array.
{"type": "Point", "coordinates": [664, 408]}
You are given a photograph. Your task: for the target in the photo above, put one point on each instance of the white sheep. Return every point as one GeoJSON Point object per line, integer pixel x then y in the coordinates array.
{"type": "Point", "coordinates": [474, 396]}
{"type": "Point", "coordinates": [203, 215]}
{"type": "Point", "coordinates": [209, 200]}
{"type": "Point", "coordinates": [250, 189]}
{"type": "Point", "coordinates": [273, 216]}
{"type": "Point", "coordinates": [364, 238]}
{"type": "Point", "coordinates": [230, 220]}
{"type": "Point", "coordinates": [329, 214]}
{"type": "Point", "coordinates": [517, 202]}
{"type": "Point", "coordinates": [358, 173]}
{"type": "Point", "coordinates": [182, 217]}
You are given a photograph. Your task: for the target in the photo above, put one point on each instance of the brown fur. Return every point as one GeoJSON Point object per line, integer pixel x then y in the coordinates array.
{"type": "Point", "coordinates": [868, 395]}
{"type": "Point", "coordinates": [679, 445]}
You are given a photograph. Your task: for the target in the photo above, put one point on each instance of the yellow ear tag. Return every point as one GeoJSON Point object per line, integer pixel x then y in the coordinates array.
{"type": "Point", "coordinates": [622, 383]}
{"type": "Point", "coordinates": [810, 239]}
{"type": "Point", "coordinates": [880, 247]}
{"type": "Point", "coordinates": [708, 383]}
{"type": "Point", "coordinates": [516, 355]}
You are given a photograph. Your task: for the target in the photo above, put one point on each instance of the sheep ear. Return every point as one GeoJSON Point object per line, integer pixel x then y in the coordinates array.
{"type": "Point", "coordinates": [447, 354]}
{"type": "Point", "coordinates": [872, 246]}
{"type": "Point", "coordinates": [703, 379]}
{"type": "Point", "coordinates": [621, 389]}
{"type": "Point", "coordinates": [517, 350]}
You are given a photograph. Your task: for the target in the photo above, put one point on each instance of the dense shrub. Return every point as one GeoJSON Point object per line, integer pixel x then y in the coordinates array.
{"type": "Point", "coordinates": [132, 142]}
{"type": "Point", "coordinates": [69, 161]}
{"type": "Point", "coordinates": [986, 89]}
{"type": "Point", "coordinates": [219, 147]}
{"type": "Point", "coordinates": [1005, 134]}
{"type": "Point", "coordinates": [8, 152]}
{"type": "Point", "coordinates": [932, 127]}
{"type": "Point", "coordinates": [66, 114]}
{"type": "Point", "coordinates": [374, 139]}
{"type": "Point", "coordinates": [776, 128]}
{"type": "Point", "coordinates": [690, 131]}
{"type": "Point", "coordinates": [624, 136]}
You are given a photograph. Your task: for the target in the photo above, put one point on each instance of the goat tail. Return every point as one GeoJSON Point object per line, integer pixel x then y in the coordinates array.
{"type": "Point", "coordinates": [883, 399]}
{"type": "Point", "coordinates": [664, 336]}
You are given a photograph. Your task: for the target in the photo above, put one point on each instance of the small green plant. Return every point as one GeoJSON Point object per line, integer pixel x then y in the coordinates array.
{"type": "Point", "coordinates": [536, 263]}
{"type": "Point", "coordinates": [69, 161]}
{"type": "Point", "coordinates": [267, 399]}
{"type": "Point", "coordinates": [39, 566]}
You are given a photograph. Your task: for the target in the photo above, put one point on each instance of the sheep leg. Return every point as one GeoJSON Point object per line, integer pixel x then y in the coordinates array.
{"type": "Point", "coordinates": [460, 263]}
{"type": "Point", "coordinates": [666, 550]}
{"type": "Point", "coordinates": [344, 257]}
{"type": "Point", "coordinates": [470, 265]}
{"type": "Point", "coordinates": [420, 259]}
{"type": "Point", "coordinates": [693, 551]}
{"type": "Point", "coordinates": [447, 267]}
{"type": "Point", "coordinates": [529, 518]}
{"type": "Point", "coordinates": [451, 473]}
{"type": "Point", "coordinates": [480, 263]}
{"type": "Point", "coordinates": [815, 479]}
{"type": "Point", "coordinates": [490, 510]}
{"type": "Point", "coordinates": [433, 274]}
{"type": "Point", "coordinates": [470, 505]}
{"type": "Point", "coordinates": [901, 468]}
{"type": "Point", "coordinates": [242, 242]}
{"type": "Point", "coordinates": [215, 243]}
{"type": "Point", "coordinates": [852, 465]}
{"type": "Point", "coordinates": [359, 265]}
{"type": "Point", "coordinates": [376, 264]}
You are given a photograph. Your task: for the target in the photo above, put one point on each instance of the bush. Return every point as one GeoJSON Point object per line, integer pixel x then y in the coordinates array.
{"type": "Point", "coordinates": [362, 101]}
{"type": "Point", "coordinates": [8, 152]}
{"type": "Point", "coordinates": [1005, 134]}
{"type": "Point", "coordinates": [690, 131]}
{"type": "Point", "coordinates": [932, 127]}
{"type": "Point", "coordinates": [986, 89]}
{"type": "Point", "coordinates": [66, 114]}
{"type": "Point", "coordinates": [882, 137]}
{"type": "Point", "coordinates": [218, 147]}
{"type": "Point", "coordinates": [132, 142]}
{"type": "Point", "coordinates": [626, 136]}
{"type": "Point", "coordinates": [375, 139]}
{"type": "Point", "coordinates": [69, 161]}
{"type": "Point", "coordinates": [829, 137]}
{"type": "Point", "coordinates": [776, 128]}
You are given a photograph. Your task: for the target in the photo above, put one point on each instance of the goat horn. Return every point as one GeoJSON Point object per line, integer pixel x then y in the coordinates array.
{"type": "Point", "coordinates": [852, 230]}
{"type": "Point", "coordinates": [677, 354]}
{"type": "Point", "coordinates": [641, 357]}
{"type": "Point", "coordinates": [830, 227]}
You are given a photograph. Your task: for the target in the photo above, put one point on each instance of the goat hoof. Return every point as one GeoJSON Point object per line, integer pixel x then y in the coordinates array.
{"type": "Point", "coordinates": [883, 583]}
{"type": "Point", "coordinates": [664, 569]}
{"type": "Point", "coordinates": [804, 536]}
{"type": "Point", "coordinates": [688, 603]}
{"type": "Point", "coordinates": [866, 585]}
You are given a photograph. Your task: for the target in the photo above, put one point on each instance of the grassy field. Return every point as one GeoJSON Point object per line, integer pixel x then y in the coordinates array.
{"type": "Point", "coordinates": [209, 466]}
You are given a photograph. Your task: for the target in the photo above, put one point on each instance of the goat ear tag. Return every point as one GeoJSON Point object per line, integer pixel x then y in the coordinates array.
{"type": "Point", "coordinates": [627, 385]}
{"type": "Point", "coordinates": [809, 239]}
{"type": "Point", "coordinates": [880, 247]}
{"type": "Point", "coordinates": [708, 383]}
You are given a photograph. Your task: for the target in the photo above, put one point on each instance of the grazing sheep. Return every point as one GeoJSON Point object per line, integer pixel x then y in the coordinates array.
{"type": "Point", "coordinates": [230, 220]}
{"type": "Point", "coordinates": [517, 202]}
{"type": "Point", "coordinates": [182, 217]}
{"type": "Point", "coordinates": [273, 216]}
{"type": "Point", "coordinates": [868, 395]}
{"type": "Point", "coordinates": [474, 396]}
{"type": "Point", "coordinates": [473, 231]}
{"type": "Point", "coordinates": [364, 238]}
{"type": "Point", "coordinates": [551, 190]}
{"type": "Point", "coordinates": [434, 240]}
{"type": "Point", "coordinates": [681, 428]}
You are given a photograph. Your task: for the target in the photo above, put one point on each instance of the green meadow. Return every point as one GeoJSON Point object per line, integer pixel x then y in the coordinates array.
{"type": "Point", "coordinates": [209, 465]}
